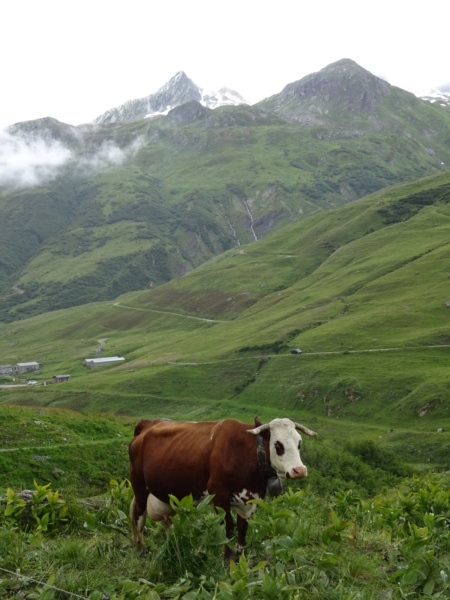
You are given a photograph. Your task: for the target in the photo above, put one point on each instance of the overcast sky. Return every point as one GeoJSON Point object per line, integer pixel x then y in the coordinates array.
{"type": "Point", "coordinates": [74, 59]}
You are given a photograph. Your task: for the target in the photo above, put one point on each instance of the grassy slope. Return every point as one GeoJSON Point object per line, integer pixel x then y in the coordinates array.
{"type": "Point", "coordinates": [363, 296]}
{"type": "Point", "coordinates": [43, 444]}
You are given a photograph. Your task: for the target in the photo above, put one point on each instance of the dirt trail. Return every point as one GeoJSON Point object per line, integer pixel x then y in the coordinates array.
{"type": "Point", "coordinates": [65, 444]}
{"type": "Point", "coordinates": [99, 348]}
{"type": "Point", "coordinates": [165, 312]}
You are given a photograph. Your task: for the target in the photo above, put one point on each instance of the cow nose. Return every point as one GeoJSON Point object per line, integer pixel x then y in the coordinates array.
{"type": "Point", "coordinates": [297, 472]}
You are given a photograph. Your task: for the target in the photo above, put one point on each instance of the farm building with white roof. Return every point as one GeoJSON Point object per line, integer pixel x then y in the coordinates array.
{"type": "Point", "coordinates": [101, 362]}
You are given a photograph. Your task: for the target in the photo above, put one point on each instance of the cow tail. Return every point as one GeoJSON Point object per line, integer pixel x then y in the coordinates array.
{"type": "Point", "coordinates": [133, 519]}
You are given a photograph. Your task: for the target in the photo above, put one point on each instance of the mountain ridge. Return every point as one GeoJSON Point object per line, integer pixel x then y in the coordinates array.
{"type": "Point", "coordinates": [178, 90]}
{"type": "Point", "coordinates": [344, 83]}
{"type": "Point", "coordinates": [99, 210]}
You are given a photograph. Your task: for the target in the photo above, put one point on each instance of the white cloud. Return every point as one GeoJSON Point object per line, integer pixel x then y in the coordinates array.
{"type": "Point", "coordinates": [109, 155]}
{"type": "Point", "coordinates": [27, 162]}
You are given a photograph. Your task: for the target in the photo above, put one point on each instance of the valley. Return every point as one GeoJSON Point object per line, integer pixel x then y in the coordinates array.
{"type": "Point", "coordinates": [363, 297]}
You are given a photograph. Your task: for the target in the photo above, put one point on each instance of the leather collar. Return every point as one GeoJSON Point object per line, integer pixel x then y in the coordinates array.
{"type": "Point", "coordinates": [274, 483]}
{"type": "Point", "coordinates": [266, 469]}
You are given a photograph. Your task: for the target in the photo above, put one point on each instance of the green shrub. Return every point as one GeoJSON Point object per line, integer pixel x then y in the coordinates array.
{"type": "Point", "coordinates": [195, 543]}
{"type": "Point", "coordinates": [44, 511]}
{"type": "Point", "coordinates": [301, 544]}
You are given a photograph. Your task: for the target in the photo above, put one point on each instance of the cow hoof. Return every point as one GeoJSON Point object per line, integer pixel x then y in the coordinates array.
{"type": "Point", "coordinates": [141, 549]}
{"type": "Point", "coordinates": [232, 554]}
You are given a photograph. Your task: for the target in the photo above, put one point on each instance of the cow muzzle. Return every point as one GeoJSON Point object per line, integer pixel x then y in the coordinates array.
{"type": "Point", "coordinates": [297, 472]}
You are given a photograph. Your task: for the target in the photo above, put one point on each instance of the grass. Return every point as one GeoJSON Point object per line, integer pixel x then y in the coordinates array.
{"type": "Point", "coordinates": [42, 443]}
{"type": "Point", "coordinates": [392, 545]}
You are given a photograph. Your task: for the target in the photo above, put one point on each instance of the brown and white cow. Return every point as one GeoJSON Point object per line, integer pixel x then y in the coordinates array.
{"type": "Point", "coordinates": [232, 460]}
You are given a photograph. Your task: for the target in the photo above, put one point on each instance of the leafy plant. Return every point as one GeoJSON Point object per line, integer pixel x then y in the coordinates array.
{"type": "Point", "coordinates": [194, 543]}
{"type": "Point", "coordinates": [44, 511]}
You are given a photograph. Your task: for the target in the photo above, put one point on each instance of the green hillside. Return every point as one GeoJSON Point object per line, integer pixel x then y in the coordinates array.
{"type": "Point", "coordinates": [361, 289]}
{"type": "Point", "coordinates": [139, 203]}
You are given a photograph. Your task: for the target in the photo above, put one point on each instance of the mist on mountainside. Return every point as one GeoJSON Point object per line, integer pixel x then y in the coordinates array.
{"type": "Point", "coordinates": [33, 160]}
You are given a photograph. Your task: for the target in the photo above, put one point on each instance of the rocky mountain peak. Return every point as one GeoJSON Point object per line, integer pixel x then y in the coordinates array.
{"type": "Point", "coordinates": [177, 91]}
{"type": "Point", "coordinates": [341, 86]}
{"type": "Point", "coordinates": [47, 129]}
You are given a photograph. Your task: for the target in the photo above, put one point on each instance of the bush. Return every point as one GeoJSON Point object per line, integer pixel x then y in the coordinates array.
{"type": "Point", "coordinates": [362, 466]}
{"type": "Point", "coordinates": [195, 543]}
{"type": "Point", "coordinates": [42, 510]}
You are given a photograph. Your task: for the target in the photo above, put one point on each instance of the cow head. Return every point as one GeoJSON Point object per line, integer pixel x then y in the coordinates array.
{"type": "Point", "coordinates": [284, 443]}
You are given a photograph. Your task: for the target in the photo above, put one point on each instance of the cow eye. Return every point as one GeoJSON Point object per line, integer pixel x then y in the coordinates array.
{"type": "Point", "coordinates": [279, 448]}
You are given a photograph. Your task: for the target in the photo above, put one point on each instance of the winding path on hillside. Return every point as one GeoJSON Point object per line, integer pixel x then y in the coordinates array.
{"type": "Point", "coordinates": [65, 444]}
{"type": "Point", "coordinates": [324, 353]}
{"type": "Point", "coordinates": [101, 343]}
{"type": "Point", "coordinates": [5, 386]}
{"type": "Point", "coordinates": [321, 353]}
{"type": "Point", "coordinates": [165, 312]}
{"type": "Point", "coordinates": [377, 350]}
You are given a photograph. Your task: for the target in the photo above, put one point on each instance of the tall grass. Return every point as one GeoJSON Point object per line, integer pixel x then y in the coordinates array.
{"type": "Point", "coordinates": [341, 545]}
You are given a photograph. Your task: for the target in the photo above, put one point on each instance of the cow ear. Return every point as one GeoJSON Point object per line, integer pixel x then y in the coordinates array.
{"type": "Point", "coordinates": [257, 422]}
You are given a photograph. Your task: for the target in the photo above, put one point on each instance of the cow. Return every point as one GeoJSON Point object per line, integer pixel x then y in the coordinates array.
{"type": "Point", "coordinates": [233, 461]}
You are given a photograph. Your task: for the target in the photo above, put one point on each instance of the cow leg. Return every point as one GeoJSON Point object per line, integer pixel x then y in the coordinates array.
{"type": "Point", "coordinates": [223, 501]}
{"type": "Point", "coordinates": [229, 529]}
{"type": "Point", "coordinates": [242, 526]}
{"type": "Point", "coordinates": [137, 517]}
{"type": "Point", "coordinates": [138, 508]}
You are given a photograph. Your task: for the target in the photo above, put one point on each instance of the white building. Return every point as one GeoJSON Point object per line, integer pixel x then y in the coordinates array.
{"type": "Point", "coordinates": [102, 362]}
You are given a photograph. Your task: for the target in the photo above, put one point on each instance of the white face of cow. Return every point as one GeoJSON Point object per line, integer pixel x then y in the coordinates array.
{"type": "Point", "coordinates": [285, 442]}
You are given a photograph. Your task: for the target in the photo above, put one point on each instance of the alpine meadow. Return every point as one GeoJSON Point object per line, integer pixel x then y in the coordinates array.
{"type": "Point", "coordinates": [287, 259]}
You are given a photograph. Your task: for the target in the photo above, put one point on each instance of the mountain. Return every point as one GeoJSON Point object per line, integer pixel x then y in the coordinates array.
{"type": "Point", "coordinates": [179, 90]}
{"type": "Point", "coordinates": [94, 211]}
{"type": "Point", "coordinates": [342, 87]}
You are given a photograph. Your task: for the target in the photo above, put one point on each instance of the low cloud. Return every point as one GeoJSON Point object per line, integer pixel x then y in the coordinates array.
{"type": "Point", "coordinates": [31, 161]}
{"type": "Point", "coordinates": [110, 155]}
{"type": "Point", "coordinates": [28, 162]}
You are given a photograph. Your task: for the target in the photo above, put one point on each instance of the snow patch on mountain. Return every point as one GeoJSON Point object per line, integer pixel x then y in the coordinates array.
{"type": "Point", "coordinates": [177, 91]}
{"type": "Point", "coordinates": [224, 97]}
{"type": "Point", "coordinates": [440, 95]}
